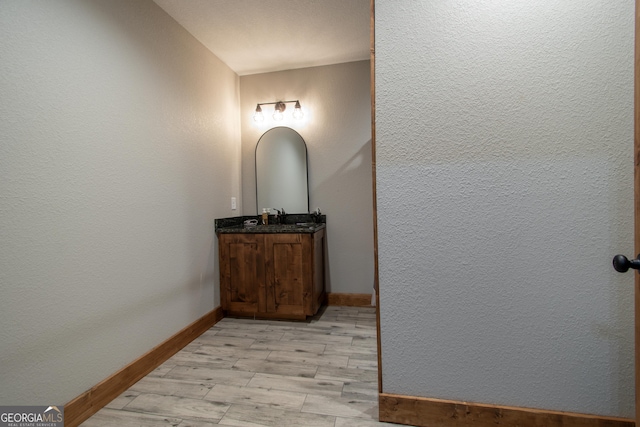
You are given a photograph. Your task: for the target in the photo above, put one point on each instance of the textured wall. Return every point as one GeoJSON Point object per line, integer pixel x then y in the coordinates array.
{"type": "Point", "coordinates": [504, 176]}
{"type": "Point", "coordinates": [336, 100]}
{"type": "Point", "coordinates": [119, 145]}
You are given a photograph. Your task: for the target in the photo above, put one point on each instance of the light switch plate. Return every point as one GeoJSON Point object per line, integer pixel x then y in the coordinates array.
{"type": "Point", "coordinates": [233, 204]}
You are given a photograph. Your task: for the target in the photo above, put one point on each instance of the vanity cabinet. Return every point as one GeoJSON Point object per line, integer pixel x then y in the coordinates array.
{"type": "Point", "coordinates": [272, 275]}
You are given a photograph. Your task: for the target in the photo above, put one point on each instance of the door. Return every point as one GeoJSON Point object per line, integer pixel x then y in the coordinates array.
{"type": "Point", "coordinates": [242, 282]}
{"type": "Point", "coordinates": [287, 273]}
{"type": "Point", "coordinates": [620, 262]}
{"type": "Point", "coordinates": [636, 193]}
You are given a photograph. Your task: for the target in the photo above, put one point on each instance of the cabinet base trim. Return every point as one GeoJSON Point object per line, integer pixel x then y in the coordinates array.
{"type": "Point", "coordinates": [265, 315]}
{"type": "Point", "coordinates": [349, 300]}
{"type": "Point", "coordinates": [92, 400]}
{"type": "Point", "coordinates": [425, 412]}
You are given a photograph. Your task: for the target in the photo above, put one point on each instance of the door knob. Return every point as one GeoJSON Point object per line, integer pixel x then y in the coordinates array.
{"type": "Point", "coordinates": [622, 264]}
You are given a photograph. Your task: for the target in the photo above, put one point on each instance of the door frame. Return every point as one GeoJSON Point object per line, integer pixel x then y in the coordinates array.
{"type": "Point", "coordinates": [376, 287]}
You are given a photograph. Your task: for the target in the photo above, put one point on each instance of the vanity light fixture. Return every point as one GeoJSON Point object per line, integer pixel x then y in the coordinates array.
{"type": "Point", "coordinates": [279, 107]}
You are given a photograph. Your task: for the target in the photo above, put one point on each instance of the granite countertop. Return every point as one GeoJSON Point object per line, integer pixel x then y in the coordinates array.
{"type": "Point", "coordinates": [293, 223]}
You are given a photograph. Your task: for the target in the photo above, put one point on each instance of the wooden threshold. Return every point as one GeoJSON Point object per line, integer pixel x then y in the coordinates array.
{"type": "Point", "coordinates": [349, 300]}
{"type": "Point", "coordinates": [426, 412]}
{"type": "Point", "coordinates": [92, 400]}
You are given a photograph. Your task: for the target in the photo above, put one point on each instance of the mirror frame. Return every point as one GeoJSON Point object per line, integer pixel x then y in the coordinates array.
{"type": "Point", "coordinates": [306, 159]}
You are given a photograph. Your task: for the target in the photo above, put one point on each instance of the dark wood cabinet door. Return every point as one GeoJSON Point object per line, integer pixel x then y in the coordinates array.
{"type": "Point", "coordinates": [242, 278]}
{"type": "Point", "coordinates": [288, 274]}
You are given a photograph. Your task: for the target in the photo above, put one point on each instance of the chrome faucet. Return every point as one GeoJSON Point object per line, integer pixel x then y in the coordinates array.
{"type": "Point", "coordinates": [279, 212]}
{"type": "Point", "coordinates": [316, 215]}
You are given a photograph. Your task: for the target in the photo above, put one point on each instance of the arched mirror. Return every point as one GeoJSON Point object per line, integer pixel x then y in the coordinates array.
{"type": "Point", "coordinates": [281, 171]}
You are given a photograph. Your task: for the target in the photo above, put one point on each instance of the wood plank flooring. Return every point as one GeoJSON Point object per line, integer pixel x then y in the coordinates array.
{"type": "Point", "coordinates": [245, 372]}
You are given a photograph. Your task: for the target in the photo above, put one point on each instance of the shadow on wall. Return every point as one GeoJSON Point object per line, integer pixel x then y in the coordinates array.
{"type": "Point", "coordinates": [347, 199]}
{"type": "Point", "coordinates": [619, 338]}
{"type": "Point", "coordinates": [188, 174]}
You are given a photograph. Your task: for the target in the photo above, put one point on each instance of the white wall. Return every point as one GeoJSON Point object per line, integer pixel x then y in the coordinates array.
{"type": "Point", "coordinates": [119, 145]}
{"type": "Point", "coordinates": [505, 186]}
{"type": "Point", "coordinates": [336, 100]}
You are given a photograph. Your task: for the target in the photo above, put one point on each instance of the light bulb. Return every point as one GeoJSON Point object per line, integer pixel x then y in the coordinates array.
{"type": "Point", "coordinates": [258, 117]}
{"type": "Point", "coordinates": [277, 114]}
{"type": "Point", "coordinates": [297, 111]}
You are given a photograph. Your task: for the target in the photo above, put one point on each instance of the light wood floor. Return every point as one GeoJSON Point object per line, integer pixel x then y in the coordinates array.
{"type": "Point", "coordinates": [245, 372]}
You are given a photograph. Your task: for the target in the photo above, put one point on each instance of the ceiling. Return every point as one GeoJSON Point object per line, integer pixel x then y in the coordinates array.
{"type": "Point", "coordinates": [259, 36]}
